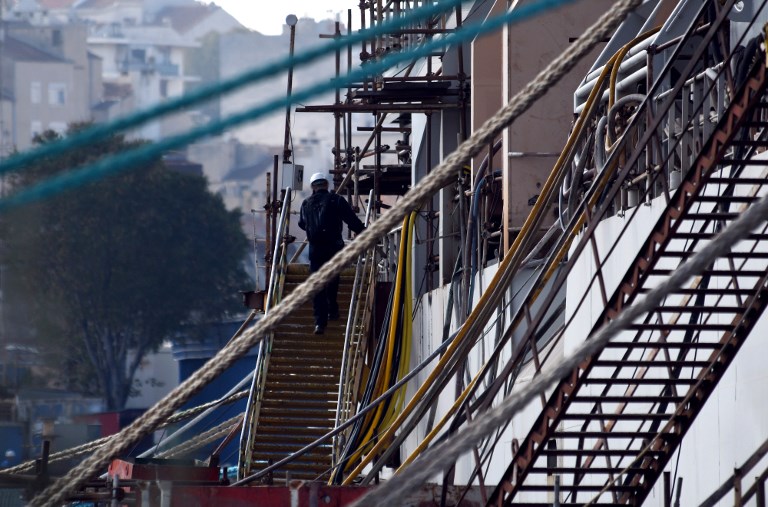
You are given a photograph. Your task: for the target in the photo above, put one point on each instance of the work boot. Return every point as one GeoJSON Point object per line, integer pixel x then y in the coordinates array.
{"type": "Point", "coordinates": [319, 329]}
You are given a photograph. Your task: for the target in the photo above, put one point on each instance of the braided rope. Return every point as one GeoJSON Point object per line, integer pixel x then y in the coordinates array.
{"type": "Point", "coordinates": [191, 412]}
{"type": "Point", "coordinates": [129, 160]}
{"type": "Point", "coordinates": [59, 456]}
{"type": "Point", "coordinates": [90, 446]}
{"type": "Point", "coordinates": [249, 77]}
{"type": "Point", "coordinates": [203, 439]}
{"type": "Point", "coordinates": [437, 179]}
{"type": "Point", "coordinates": [441, 456]}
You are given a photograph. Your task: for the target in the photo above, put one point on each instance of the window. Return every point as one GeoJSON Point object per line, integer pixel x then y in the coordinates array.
{"type": "Point", "coordinates": [57, 94]}
{"type": "Point", "coordinates": [36, 127]}
{"type": "Point", "coordinates": [138, 55]}
{"type": "Point", "coordinates": [56, 38]}
{"type": "Point", "coordinates": [35, 92]}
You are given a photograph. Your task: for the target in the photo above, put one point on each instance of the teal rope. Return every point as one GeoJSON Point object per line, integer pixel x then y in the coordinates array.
{"type": "Point", "coordinates": [94, 134]}
{"type": "Point", "coordinates": [149, 152]}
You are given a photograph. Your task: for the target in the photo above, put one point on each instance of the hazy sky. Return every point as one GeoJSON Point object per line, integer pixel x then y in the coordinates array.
{"type": "Point", "coordinates": [268, 16]}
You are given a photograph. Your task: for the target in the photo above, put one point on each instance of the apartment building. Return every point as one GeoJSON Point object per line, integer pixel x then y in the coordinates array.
{"type": "Point", "coordinates": [149, 59]}
{"type": "Point", "coordinates": [48, 78]}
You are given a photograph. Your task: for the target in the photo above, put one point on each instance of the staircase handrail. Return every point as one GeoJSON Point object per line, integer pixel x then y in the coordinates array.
{"type": "Point", "coordinates": [274, 294]}
{"type": "Point", "coordinates": [645, 126]}
{"type": "Point", "coordinates": [349, 359]}
{"type": "Point", "coordinates": [576, 229]}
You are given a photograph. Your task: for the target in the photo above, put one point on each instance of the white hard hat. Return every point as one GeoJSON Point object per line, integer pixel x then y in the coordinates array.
{"type": "Point", "coordinates": [318, 177]}
{"type": "Point", "coordinates": [10, 453]}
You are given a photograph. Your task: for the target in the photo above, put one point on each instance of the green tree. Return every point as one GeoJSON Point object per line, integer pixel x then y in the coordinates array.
{"type": "Point", "coordinates": [120, 265]}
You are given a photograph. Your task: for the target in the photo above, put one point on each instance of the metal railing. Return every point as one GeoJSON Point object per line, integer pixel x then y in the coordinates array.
{"type": "Point", "coordinates": [354, 338]}
{"type": "Point", "coordinates": [734, 483]}
{"type": "Point", "coordinates": [274, 295]}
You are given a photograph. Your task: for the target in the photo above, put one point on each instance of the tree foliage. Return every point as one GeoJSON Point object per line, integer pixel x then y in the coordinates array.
{"type": "Point", "coordinates": [120, 264]}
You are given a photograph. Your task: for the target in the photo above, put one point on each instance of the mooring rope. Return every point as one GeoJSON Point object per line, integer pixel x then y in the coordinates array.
{"type": "Point", "coordinates": [437, 459]}
{"type": "Point", "coordinates": [88, 447]}
{"type": "Point", "coordinates": [250, 77]}
{"type": "Point", "coordinates": [138, 157]}
{"type": "Point", "coordinates": [204, 438]}
{"type": "Point", "coordinates": [442, 175]}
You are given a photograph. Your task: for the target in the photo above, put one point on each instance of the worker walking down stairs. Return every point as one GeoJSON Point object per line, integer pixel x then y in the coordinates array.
{"type": "Point", "coordinates": [321, 217]}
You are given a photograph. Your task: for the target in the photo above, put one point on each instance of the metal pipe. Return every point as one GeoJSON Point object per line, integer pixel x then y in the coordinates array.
{"type": "Point", "coordinates": [623, 85]}
{"type": "Point", "coordinates": [115, 488]}
{"type": "Point", "coordinates": [337, 116]}
{"type": "Point", "coordinates": [268, 230]}
{"type": "Point", "coordinates": [291, 21]}
{"type": "Point", "coordinates": [164, 443]}
{"type": "Point", "coordinates": [364, 43]}
{"type": "Point", "coordinates": [376, 130]}
{"type": "Point", "coordinates": [348, 148]}
{"type": "Point", "coordinates": [349, 327]}
{"type": "Point", "coordinates": [245, 437]}
{"type": "Point", "coordinates": [643, 46]}
{"type": "Point", "coordinates": [634, 52]}
{"type": "Point", "coordinates": [296, 254]}
{"type": "Point", "coordinates": [275, 206]}
{"type": "Point", "coordinates": [430, 210]}
{"type": "Point", "coordinates": [701, 75]}
{"type": "Point", "coordinates": [377, 169]}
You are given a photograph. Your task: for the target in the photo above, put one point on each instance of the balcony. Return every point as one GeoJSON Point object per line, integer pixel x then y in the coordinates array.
{"type": "Point", "coordinates": [149, 67]}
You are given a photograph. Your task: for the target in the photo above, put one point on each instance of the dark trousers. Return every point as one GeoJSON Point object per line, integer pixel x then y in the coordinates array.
{"type": "Point", "coordinates": [324, 303]}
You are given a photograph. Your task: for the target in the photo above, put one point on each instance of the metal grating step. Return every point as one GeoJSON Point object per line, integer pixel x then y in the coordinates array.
{"type": "Point", "coordinates": [655, 377]}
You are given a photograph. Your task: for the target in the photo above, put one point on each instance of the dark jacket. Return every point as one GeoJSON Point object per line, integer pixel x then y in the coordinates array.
{"type": "Point", "coordinates": [325, 211]}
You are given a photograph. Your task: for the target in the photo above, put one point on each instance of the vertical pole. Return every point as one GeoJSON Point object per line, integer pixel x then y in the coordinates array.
{"type": "Point", "coordinates": [679, 490]}
{"type": "Point", "coordinates": [667, 486]}
{"type": "Point", "coordinates": [274, 210]}
{"type": "Point", "coordinates": [364, 43]}
{"type": "Point", "coordinates": [377, 168]}
{"type": "Point", "coordinates": [462, 78]}
{"type": "Point", "coordinates": [268, 230]}
{"type": "Point", "coordinates": [380, 19]}
{"type": "Point", "coordinates": [355, 199]}
{"type": "Point", "coordinates": [356, 175]}
{"type": "Point", "coordinates": [372, 13]}
{"type": "Point", "coordinates": [430, 211]}
{"type": "Point", "coordinates": [337, 115]}
{"type": "Point", "coordinates": [760, 492]}
{"type": "Point", "coordinates": [291, 20]}
{"type": "Point", "coordinates": [466, 275]}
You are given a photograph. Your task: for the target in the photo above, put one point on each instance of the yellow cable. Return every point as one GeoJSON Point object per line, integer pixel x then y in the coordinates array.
{"type": "Point", "coordinates": [560, 255]}
{"type": "Point", "coordinates": [407, 329]}
{"type": "Point", "coordinates": [382, 378]}
{"type": "Point", "coordinates": [525, 232]}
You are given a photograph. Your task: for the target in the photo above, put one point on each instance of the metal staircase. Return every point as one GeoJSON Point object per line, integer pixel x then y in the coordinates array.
{"type": "Point", "coordinates": [299, 398]}
{"type": "Point", "coordinates": [607, 431]}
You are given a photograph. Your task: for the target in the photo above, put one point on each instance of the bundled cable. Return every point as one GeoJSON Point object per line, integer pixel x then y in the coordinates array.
{"type": "Point", "coordinates": [391, 359]}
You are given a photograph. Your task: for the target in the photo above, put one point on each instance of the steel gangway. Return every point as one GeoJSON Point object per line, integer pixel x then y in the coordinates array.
{"type": "Point", "coordinates": [606, 431]}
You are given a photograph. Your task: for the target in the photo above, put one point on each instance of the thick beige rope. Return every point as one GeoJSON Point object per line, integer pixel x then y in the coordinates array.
{"type": "Point", "coordinates": [443, 174]}
{"type": "Point", "coordinates": [203, 439]}
{"type": "Point", "coordinates": [438, 458]}
{"type": "Point", "coordinates": [88, 447]}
